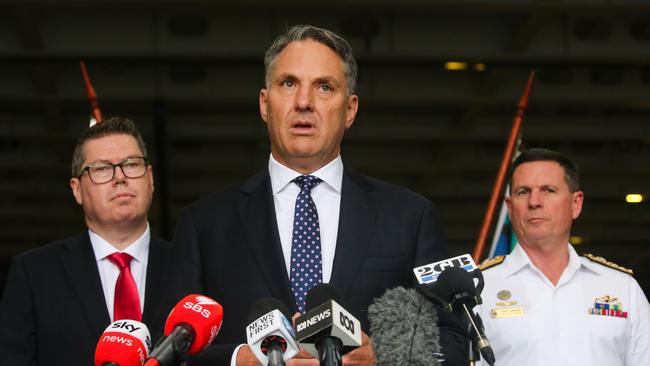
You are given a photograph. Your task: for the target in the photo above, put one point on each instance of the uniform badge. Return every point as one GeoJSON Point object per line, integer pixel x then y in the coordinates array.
{"type": "Point", "coordinates": [504, 295]}
{"type": "Point", "coordinates": [506, 309]}
{"type": "Point", "coordinates": [607, 305]}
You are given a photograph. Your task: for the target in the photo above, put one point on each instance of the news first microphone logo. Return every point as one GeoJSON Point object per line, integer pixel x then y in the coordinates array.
{"type": "Point", "coordinates": [273, 323]}
{"type": "Point", "coordinates": [429, 273]}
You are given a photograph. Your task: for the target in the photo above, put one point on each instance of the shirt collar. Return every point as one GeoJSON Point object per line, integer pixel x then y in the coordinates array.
{"type": "Point", "coordinates": [594, 267]}
{"type": "Point", "coordinates": [281, 175]}
{"type": "Point", "coordinates": [518, 259]}
{"type": "Point", "coordinates": [139, 249]}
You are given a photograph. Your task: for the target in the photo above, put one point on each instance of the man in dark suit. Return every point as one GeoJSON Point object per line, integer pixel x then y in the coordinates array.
{"type": "Point", "coordinates": [59, 298]}
{"type": "Point", "coordinates": [363, 236]}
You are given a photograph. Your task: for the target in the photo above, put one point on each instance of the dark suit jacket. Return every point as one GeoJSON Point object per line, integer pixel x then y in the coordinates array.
{"type": "Point", "coordinates": [53, 309]}
{"type": "Point", "coordinates": [227, 247]}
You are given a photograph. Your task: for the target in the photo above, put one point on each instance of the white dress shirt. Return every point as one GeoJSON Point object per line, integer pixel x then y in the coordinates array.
{"type": "Point", "coordinates": [529, 321]}
{"type": "Point", "coordinates": [327, 198]}
{"type": "Point", "coordinates": [108, 272]}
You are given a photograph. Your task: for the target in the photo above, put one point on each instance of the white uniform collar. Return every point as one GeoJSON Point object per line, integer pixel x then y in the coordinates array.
{"type": "Point", "coordinates": [518, 259]}
{"type": "Point", "coordinates": [281, 176]}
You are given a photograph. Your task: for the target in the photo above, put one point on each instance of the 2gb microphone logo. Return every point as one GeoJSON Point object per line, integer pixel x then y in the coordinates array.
{"type": "Point", "coordinates": [429, 273]}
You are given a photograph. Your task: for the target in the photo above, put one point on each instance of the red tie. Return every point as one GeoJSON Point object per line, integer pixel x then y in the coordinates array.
{"type": "Point", "coordinates": [126, 301]}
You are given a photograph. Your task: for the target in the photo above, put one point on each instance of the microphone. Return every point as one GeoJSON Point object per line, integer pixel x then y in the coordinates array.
{"type": "Point", "coordinates": [403, 324]}
{"type": "Point", "coordinates": [455, 290]}
{"type": "Point", "coordinates": [190, 327]}
{"type": "Point", "coordinates": [123, 343]}
{"type": "Point", "coordinates": [270, 335]}
{"type": "Point", "coordinates": [327, 330]}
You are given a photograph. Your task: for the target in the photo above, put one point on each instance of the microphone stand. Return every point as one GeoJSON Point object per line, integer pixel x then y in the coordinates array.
{"type": "Point", "coordinates": [274, 354]}
{"type": "Point", "coordinates": [465, 302]}
{"type": "Point", "coordinates": [329, 351]}
{"type": "Point", "coordinates": [474, 354]}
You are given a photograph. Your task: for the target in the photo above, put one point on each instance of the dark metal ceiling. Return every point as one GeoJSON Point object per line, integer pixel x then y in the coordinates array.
{"type": "Point", "coordinates": [188, 72]}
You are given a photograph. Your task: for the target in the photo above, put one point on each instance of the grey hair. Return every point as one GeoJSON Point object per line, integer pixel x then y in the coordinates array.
{"type": "Point", "coordinates": [330, 39]}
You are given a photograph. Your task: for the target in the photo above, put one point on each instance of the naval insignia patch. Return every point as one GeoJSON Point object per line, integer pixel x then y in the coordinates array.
{"type": "Point", "coordinates": [607, 305]}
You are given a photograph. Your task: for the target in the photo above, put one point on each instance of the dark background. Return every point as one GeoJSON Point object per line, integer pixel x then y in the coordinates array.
{"type": "Point", "coordinates": [189, 73]}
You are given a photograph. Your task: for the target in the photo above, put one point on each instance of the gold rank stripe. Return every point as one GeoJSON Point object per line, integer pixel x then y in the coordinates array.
{"type": "Point", "coordinates": [605, 262]}
{"type": "Point", "coordinates": [491, 262]}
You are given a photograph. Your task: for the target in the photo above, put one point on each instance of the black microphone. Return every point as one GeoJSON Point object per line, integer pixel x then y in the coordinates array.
{"type": "Point", "coordinates": [327, 330]}
{"type": "Point", "coordinates": [455, 290]}
{"type": "Point", "coordinates": [403, 324]}
{"type": "Point", "coordinates": [270, 334]}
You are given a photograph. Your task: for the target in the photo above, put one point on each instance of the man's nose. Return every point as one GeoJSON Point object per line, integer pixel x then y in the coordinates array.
{"type": "Point", "coordinates": [304, 98]}
{"type": "Point", "coordinates": [535, 199]}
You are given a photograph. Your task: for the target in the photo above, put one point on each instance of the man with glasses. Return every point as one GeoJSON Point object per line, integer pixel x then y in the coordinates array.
{"type": "Point", "coordinates": [59, 298]}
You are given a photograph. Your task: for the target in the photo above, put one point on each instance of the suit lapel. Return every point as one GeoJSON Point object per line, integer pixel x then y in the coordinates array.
{"type": "Point", "coordinates": [356, 222]}
{"type": "Point", "coordinates": [156, 265]}
{"type": "Point", "coordinates": [81, 269]}
{"type": "Point", "coordinates": [259, 224]}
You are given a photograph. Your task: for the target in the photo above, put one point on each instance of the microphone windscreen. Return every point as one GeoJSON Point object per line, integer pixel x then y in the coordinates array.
{"type": "Point", "coordinates": [403, 324]}
{"type": "Point", "coordinates": [124, 342]}
{"type": "Point", "coordinates": [202, 314]}
{"type": "Point", "coordinates": [321, 293]}
{"type": "Point", "coordinates": [266, 305]}
{"type": "Point", "coordinates": [453, 281]}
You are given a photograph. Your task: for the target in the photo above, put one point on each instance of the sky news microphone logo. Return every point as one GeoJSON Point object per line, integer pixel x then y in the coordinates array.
{"type": "Point", "coordinates": [429, 273]}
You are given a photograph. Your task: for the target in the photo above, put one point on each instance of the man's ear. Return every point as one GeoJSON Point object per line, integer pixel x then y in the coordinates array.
{"type": "Point", "coordinates": [75, 186]}
{"type": "Point", "coordinates": [263, 104]}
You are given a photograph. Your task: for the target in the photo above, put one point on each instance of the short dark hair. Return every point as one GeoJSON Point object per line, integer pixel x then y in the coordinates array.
{"type": "Point", "coordinates": [330, 39]}
{"type": "Point", "coordinates": [571, 171]}
{"type": "Point", "coordinates": [110, 126]}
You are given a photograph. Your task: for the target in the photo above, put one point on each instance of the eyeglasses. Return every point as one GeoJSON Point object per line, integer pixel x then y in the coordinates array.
{"type": "Point", "coordinates": [103, 172]}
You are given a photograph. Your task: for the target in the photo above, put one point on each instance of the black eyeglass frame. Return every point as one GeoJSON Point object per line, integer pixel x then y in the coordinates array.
{"type": "Point", "coordinates": [120, 164]}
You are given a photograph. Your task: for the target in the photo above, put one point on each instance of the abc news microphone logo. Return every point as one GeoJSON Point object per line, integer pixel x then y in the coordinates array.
{"type": "Point", "coordinates": [429, 273]}
{"type": "Point", "coordinates": [343, 319]}
{"type": "Point", "coordinates": [328, 319]}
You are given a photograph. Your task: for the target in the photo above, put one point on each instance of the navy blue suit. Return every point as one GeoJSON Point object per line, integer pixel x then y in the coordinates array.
{"type": "Point", "coordinates": [227, 247]}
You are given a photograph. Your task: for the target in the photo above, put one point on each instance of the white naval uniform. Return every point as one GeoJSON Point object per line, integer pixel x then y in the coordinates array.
{"type": "Point", "coordinates": [556, 327]}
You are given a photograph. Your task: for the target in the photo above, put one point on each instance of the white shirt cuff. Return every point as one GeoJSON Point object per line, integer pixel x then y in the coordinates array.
{"type": "Point", "coordinates": [233, 358]}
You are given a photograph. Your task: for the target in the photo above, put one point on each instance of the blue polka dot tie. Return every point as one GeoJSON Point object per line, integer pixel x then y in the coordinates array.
{"type": "Point", "coordinates": [306, 263]}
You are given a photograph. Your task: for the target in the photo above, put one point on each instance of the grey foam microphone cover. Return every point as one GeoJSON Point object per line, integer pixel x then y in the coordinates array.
{"type": "Point", "coordinates": [404, 329]}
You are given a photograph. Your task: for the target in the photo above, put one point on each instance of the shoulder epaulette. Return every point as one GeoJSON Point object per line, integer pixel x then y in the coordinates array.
{"type": "Point", "coordinates": [491, 262]}
{"type": "Point", "coordinates": [605, 262]}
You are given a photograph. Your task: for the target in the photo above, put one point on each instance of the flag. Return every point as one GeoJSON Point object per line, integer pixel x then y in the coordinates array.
{"type": "Point", "coordinates": [96, 113]}
{"type": "Point", "coordinates": [504, 239]}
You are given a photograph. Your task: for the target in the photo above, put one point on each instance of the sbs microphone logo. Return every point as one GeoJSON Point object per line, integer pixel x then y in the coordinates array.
{"type": "Point", "coordinates": [202, 300]}
{"type": "Point", "coordinates": [198, 308]}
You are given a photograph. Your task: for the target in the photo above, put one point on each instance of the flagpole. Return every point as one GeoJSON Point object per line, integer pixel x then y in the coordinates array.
{"type": "Point", "coordinates": [90, 91]}
{"type": "Point", "coordinates": [503, 169]}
